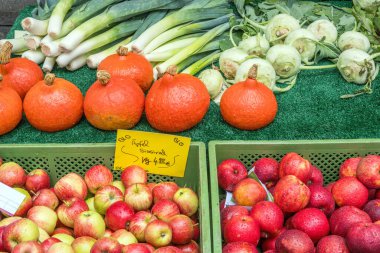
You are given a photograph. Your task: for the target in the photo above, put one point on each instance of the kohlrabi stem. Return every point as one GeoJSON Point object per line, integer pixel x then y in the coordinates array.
{"type": "Point", "coordinates": [373, 56]}
{"type": "Point", "coordinates": [331, 66]}
{"type": "Point", "coordinates": [254, 24]}
{"type": "Point", "coordinates": [231, 34]}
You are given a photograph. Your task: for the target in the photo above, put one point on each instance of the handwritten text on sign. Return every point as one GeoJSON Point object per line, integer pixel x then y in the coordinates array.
{"type": "Point", "coordinates": [161, 154]}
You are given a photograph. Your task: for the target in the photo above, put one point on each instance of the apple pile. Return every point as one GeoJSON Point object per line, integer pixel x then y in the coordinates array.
{"type": "Point", "coordinates": [97, 214]}
{"type": "Point", "coordinates": [300, 215]}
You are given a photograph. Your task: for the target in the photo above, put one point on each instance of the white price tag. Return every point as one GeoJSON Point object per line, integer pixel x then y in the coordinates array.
{"type": "Point", "coordinates": [10, 199]}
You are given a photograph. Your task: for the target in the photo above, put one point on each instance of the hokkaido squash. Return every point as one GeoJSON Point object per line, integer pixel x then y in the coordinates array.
{"type": "Point", "coordinates": [113, 102]}
{"type": "Point", "coordinates": [176, 102]}
{"type": "Point", "coordinates": [248, 105]}
{"type": "Point", "coordinates": [19, 74]}
{"type": "Point", "coordinates": [131, 65]}
{"type": "Point", "coordinates": [10, 109]}
{"type": "Point", "coordinates": [53, 104]}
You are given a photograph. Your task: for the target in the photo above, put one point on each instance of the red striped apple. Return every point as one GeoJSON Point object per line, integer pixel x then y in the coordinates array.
{"type": "Point", "coordinates": [168, 249]}
{"type": "Point", "coordinates": [63, 230]}
{"type": "Point", "coordinates": [106, 245]}
{"type": "Point", "coordinates": [71, 185]}
{"type": "Point", "coordinates": [294, 164]}
{"type": "Point", "coordinates": [26, 203]}
{"type": "Point", "coordinates": [182, 228]}
{"type": "Point", "coordinates": [134, 175]}
{"type": "Point", "coordinates": [83, 244]}
{"type": "Point", "coordinates": [191, 247]}
{"type": "Point", "coordinates": [45, 197]}
{"type": "Point", "coordinates": [118, 215]}
{"type": "Point", "coordinates": [12, 174]}
{"type": "Point", "coordinates": [135, 248]}
{"type": "Point", "coordinates": [36, 180]}
{"type": "Point", "coordinates": [89, 223]}
{"type": "Point", "coordinates": [48, 243]}
{"type": "Point", "coordinates": [124, 237]}
{"type": "Point", "coordinates": [44, 217]}
{"type": "Point", "coordinates": [61, 247]}
{"type": "Point", "coordinates": [69, 210]}
{"type": "Point", "coordinates": [68, 239]}
{"type": "Point", "coordinates": [105, 197]}
{"type": "Point", "coordinates": [28, 247]}
{"type": "Point", "coordinates": [165, 209]}
{"type": "Point", "coordinates": [138, 224]}
{"type": "Point", "coordinates": [119, 185]}
{"type": "Point", "coordinates": [97, 176]}
{"type": "Point", "coordinates": [187, 201]}
{"type": "Point", "coordinates": [164, 190]}
{"type": "Point", "coordinates": [138, 196]}
{"type": "Point", "coordinates": [158, 234]}
{"type": "Point", "coordinates": [22, 230]}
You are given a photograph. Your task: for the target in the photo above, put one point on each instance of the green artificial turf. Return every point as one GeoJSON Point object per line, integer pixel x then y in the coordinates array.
{"type": "Point", "coordinates": [311, 110]}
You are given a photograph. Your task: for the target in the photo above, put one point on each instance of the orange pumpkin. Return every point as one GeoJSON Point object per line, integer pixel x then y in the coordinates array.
{"type": "Point", "coordinates": [131, 65]}
{"type": "Point", "coordinates": [176, 102]}
{"type": "Point", "coordinates": [10, 109]}
{"type": "Point", "coordinates": [19, 74]}
{"type": "Point", "coordinates": [53, 104]}
{"type": "Point", "coordinates": [113, 102]}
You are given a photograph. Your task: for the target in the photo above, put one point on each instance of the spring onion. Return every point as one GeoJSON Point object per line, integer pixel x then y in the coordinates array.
{"type": "Point", "coordinates": [48, 64]}
{"type": "Point", "coordinates": [57, 17]}
{"type": "Point", "coordinates": [33, 42]}
{"type": "Point", "coordinates": [34, 55]}
{"type": "Point", "coordinates": [18, 44]}
{"type": "Point", "coordinates": [35, 26]}
{"type": "Point", "coordinates": [202, 63]}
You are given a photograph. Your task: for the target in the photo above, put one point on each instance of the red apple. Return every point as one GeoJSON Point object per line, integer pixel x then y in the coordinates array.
{"type": "Point", "coordinates": [266, 170]}
{"type": "Point", "coordinates": [28, 247]}
{"type": "Point", "coordinates": [322, 199]}
{"type": "Point", "coordinates": [165, 209]}
{"type": "Point", "coordinates": [1, 161]}
{"type": "Point", "coordinates": [191, 247]}
{"type": "Point", "coordinates": [45, 197]}
{"type": "Point", "coordinates": [89, 223]}
{"type": "Point", "coordinates": [105, 197]}
{"type": "Point", "coordinates": [26, 203]}
{"type": "Point", "coordinates": [36, 180]}
{"type": "Point", "coordinates": [118, 215]}
{"type": "Point", "coordinates": [151, 186]}
{"type": "Point", "coordinates": [293, 164]}
{"type": "Point", "coordinates": [138, 196]}
{"type": "Point", "coordinates": [134, 175]}
{"type": "Point", "coordinates": [371, 194]}
{"type": "Point", "coordinates": [248, 192]}
{"type": "Point", "coordinates": [63, 230]}
{"type": "Point", "coordinates": [242, 229]}
{"type": "Point", "coordinates": [168, 249]}
{"type": "Point", "coordinates": [22, 230]}
{"type": "Point", "coordinates": [182, 228]}
{"type": "Point", "coordinates": [270, 243]}
{"type": "Point", "coordinates": [187, 201]}
{"type": "Point", "coordinates": [330, 186]}
{"type": "Point", "coordinates": [164, 190]}
{"type": "Point", "coordinates": [368, 171]}
{"type": "Point", "coordinates": [332, 244]}
{"type": "Point", "coordinates": [48, 243]}
{"type": "Point", "coordinates": [239, 247]}
{"type": "Point", "coordinates": [69, 210]}
{"type": "Point", "coordinates": [71, 185]}
{"type": "Point", "coordinates": [294, 241]}
{"type": "Point", "coordinates": [61, 247]}
{"type": "Point", "coordinates": [316, 176]}
{"type": "Point", "coordinates": [106, 245]}
{"type": "Point", "coordinates": [12, 174]}
{"type": "Point", "coordinates": [138, 224]}
{"type": "Point", "coordinates": [348, 191]}
{"type": "Point", "coordinates": [364, 237]}
{"type": "Point", "coordinates": [148, 246]}
{"type": "Point", "coordinates": [96, 177]}
{"type": "Point", "coordinates": [158, 234]}
{"type": "Point", "coordinates": [124, 237]}
{"type": "Point", "coordinates": [230, 172]}
{"type": "Point", "coordinates": [373, 209]}
{"type": "Point", "coordinates": [135, 248]}
{"type": "Point", "coordinates": [222, 205]}
{"type": "Point", "coordinates": [44, 217]}
{"type": "Point", "coordinates": [119, 185]}
{"type": "Point", "coordinates": [83, 244]}
{"type": "Point", "coordinates": [197, 231]}
{"type": "Point", "coordinates": [291, 194]}
{"type": "Point", "coordinates": [313, 222]}
{"type": "Point", "coordinates": [269, 216]}
{"type": "Point", "coordinates": [231, 211]}
{"type": "Point", "coordinates": [345, 217]}
{"type": "Point", "coordinates": [349, 166]}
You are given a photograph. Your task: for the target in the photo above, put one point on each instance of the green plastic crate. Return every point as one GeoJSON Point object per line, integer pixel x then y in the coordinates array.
{"type": "Point", "coordinates": [60, 159]}
{"type": "Point", "coordinates": [327, 155]}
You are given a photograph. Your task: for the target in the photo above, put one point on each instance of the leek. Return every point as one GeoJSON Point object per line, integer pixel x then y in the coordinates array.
{"type": "Point", "coordinates": [51, 49]}
{"type": "Point", "coordinates": [33, 42]}
{"type": "Point", "coordinates": [77, 63]}
{"type": "Point", "coordinates": [150, 20]}
{"type": "Point", "coordinates": [35, 26]}
{"type": "Point", "coordinates": [48, 64]}
{"type": "Point", "coordinates": [46, 39]}
{"type": "Point", "coordinates": [119, 31]}
{"type": "Point", "coordinates": [18, 44]}
{"type": "Point", "coordinates": [168, 50]}
{"type": "Point", "coordinates": [118, 12]}
{"type": "Point", "coordinates": [57, 16]}
{"type": "Point", "coordinates": [202, 63]}
{"type": "Point", "coordinates": [34, 55]}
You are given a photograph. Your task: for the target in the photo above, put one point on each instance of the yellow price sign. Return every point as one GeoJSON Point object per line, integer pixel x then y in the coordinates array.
{"type": "Point", "coordinates": [157, 153]}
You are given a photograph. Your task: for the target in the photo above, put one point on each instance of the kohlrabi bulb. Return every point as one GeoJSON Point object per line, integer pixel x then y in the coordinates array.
{"type": "Point", "coordinates": [285, 60]}
{"type": "Point", "coordinates": [265, 72]}
{"type": "Point", "coordinates": [355, 65]}
{"type": "Point", "coordinates": [279, 26]}
{"type": "Point", "coordinates": [230, 60]}
{"type": "Point", "coordinates": [255, 45]}
{"type": "Point", "coordinates": [304, 41]}
{"type": "Point", "coordinates": [367, 4]}
{"type": "Point", "coordinates": [213, 81]}
{"type": "Point", "coordinates": [352, 39]}
{"type": "Point", "coordinates": [323, 28]}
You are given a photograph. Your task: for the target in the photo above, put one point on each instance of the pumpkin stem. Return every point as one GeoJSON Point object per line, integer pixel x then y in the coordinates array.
{"type": "Point", "coordinates": [122, 51]}
{"type": "Point", "coordinates": [49, 79]}
{"type": "Point", "coordinates": [5, 53]}
{"type": "Point", "coordinates": [103, 77]}
{"type": "Point", "coordinates": [252, 73]}
{"type": "Point", "coordinates": [1, 77]}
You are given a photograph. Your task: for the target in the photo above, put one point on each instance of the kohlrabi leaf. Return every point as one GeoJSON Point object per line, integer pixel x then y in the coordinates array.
{"type": "Point", "coordinates": [326, 50]}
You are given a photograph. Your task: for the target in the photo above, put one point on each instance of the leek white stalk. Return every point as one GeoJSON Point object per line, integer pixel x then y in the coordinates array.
{"type": "Point", "coordinates": [119, 31]}
{"type": "Point", "coordinates": [57, 17]}
{"type": "Point", "coordinates": [48, 64]}
{"type": "Point", "coordinates": [34, 55]}
{"type": "Point", "coordinates": [160, 54]}
{"type": "Point", "coordinates": [35, 26]}
{"type": "Point", "coordinates": [18, 44]}
{"type": "Point", "coordinates": [175, 44]}
{"type": "Point", "coordinates": [51, 49]}
{"type": "Point", "coordinates": [33, 42]}
{"type": "Point", "coordinates": [190, 50]}
{"type": "Point", "coordinates": [194, 68]}
{"type": "Point", "coordinates": [77, 63]}
{"type": "Point", "coordinates": [46, 39]}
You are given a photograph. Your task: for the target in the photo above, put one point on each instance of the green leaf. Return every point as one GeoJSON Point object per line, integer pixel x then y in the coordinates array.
{"type": "Point", "coordinates": [326, 50]}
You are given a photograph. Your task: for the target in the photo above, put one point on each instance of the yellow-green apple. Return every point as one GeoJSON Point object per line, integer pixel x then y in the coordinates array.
{"type": "Point", "coordinates": [182, 229]}
{"type": "Point", "coordinates": [368, 171]}
{"type": "Point", "coordinates": [90, 204]}
{"type": "Point", "coordinates": [294, 164]}
{"type": "Point", "coordinates": [22, 230]}
{"type": "Point", "coordinates": [60, 247]}
{"type": "Point", "coordinates": [269, 216]}
{"type": "Point", "coordinates": [68, 239]}
{"type": "Point", "coordinates": [294, 240]}
{"type": "Point", "coordinates": [322, 199]}
{"type": "Point", "coordinates": [237, 247]}
{"type": "Point", "coordinates": [70, 185]}
{"type": "Point", "coordinates": [332, 243]}
{"type": "Point", "coordinates": [119, 185]}
{"type": "Point", "coordinates": [107, 233]}
{"type": "Point", "coordinates": [124, 237]}
{"type": "Point", "coordinates": [83, 244]}
{"type": "Point", "coordinates": [230, 172]}
{"type": "Point", "coordinates": [138, 224]}
{"type": "Point", "coordinates": [191, 247]}
{"type": "Point", "coordinates": [44, 217]}
{"type": "Point", "coordinates": [248, 192]}
{"type": "Point", "coordinates": [70, 209]}
{"type": "Point", "coordinates": [291, 194]}
{"type": "Point", "coordinates": [138, 196]}
{"type": "Point", "coordinates": [158, 233]}
{"type": "Point", "coordinates": [3, 224]}
{"type": "Point", "coordinates": [134, 175]}
{"type": "Point", "coordinates": [164, 190]}
{"type": "Point", "coordinates": [135, 248]}
{"type": "Point", "coordinates": [28, 247]}
{"type": "Point", "coordinates": [168, 249]}
{"type": "Point", "coordinates": [12, 174]}
{"type": "Point", "coordinates": [345, 217]}
{"type": "Point", "coordinates": [364, 237]}
{"type": "Point", "coordinates": [106, 245]}
{"type": "Point", "coordinates": [45, 197]}
{"type": "Point", "coordinates": [242, 229]}
{"type": "Point", "coordinates": [349, 191]}
{"type": "Point", "coordinates": [373, 209]}
{"type": "Point", "coordinates": [266, 170]}
{"type": "Point", "coordinates": [349, 166]}
{"type": "Point", "coordinates": [316, 176]}
{"type": "Point", "coordinates": [187, 201]}
{"type": "Point", "coordinates": [63, 230]}
{"type": "Point", "coordinates": [106, 196]}
{"type": "Point", "coordinates": [231, 211]}
{"type": "Point", "coordinates": [97, 176]}
{"type": "Point", "coordinates": [165, 209]}
{"type": "Point", "coordinates": [26, 203]}
{"type": "Point", "coordinates": [48, 243]}
{"type": "Point", "coordinates": [36, 180]}
{"type": "Point", "coordinates": [118, 215]}
{"type": "Point", "coordinates": [43, 235]}
{"type": "Point", "coordinates": [89, 223]}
